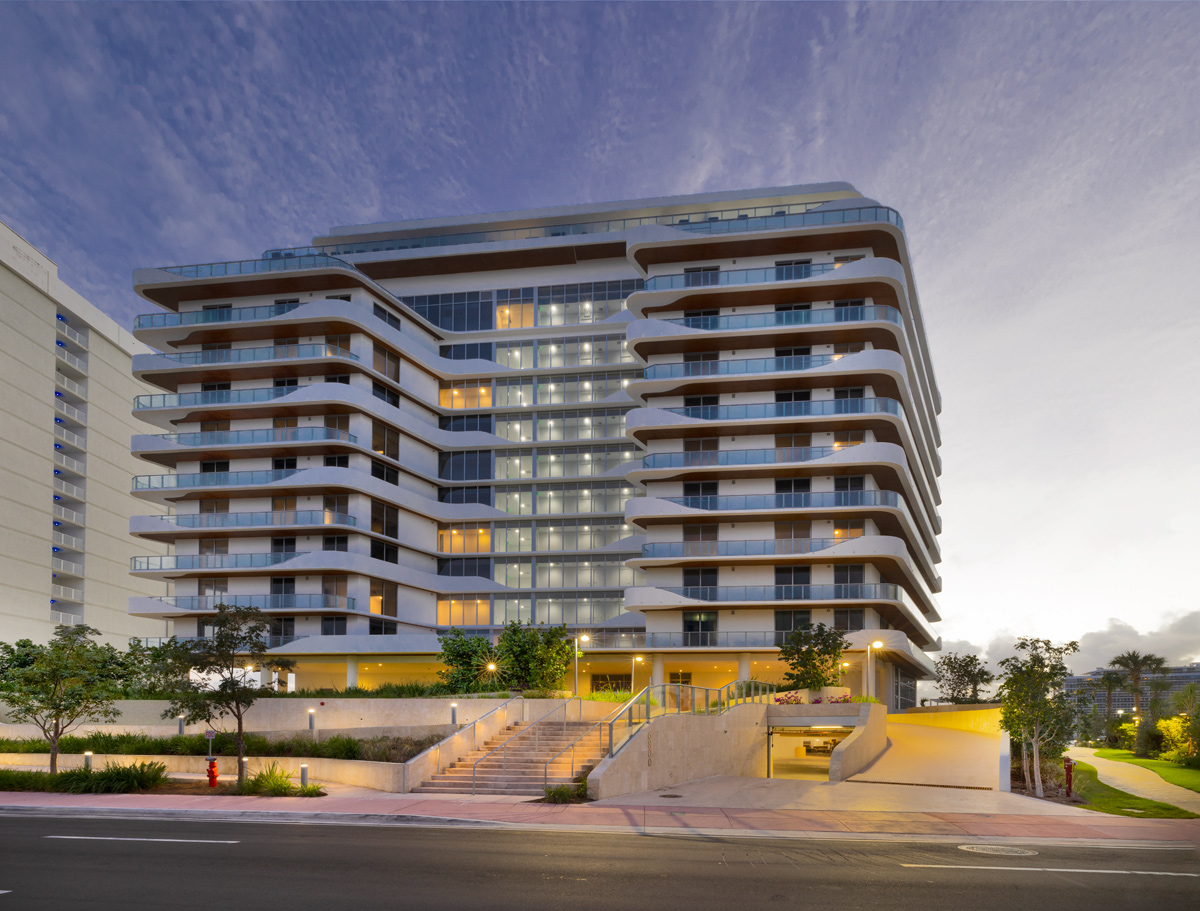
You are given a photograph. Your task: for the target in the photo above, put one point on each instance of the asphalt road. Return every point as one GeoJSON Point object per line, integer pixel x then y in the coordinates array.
{"type": "Point", "coordinates": [63, 863]}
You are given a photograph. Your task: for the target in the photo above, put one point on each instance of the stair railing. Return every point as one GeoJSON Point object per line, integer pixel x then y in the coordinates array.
{"type": "Point", "coordinates": [605, 729]}
{"type": "Point", "coordinates": [680, 699]}
{"type": "Point", "coordinates": [535, 729]}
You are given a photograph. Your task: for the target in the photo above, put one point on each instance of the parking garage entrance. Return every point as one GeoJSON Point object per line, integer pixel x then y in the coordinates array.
{"type": "Point", "coordinates": [802, 752]}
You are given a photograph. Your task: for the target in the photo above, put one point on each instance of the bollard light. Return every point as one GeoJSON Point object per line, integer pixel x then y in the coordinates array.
{"type": "Point", "coordinates": [312, 715]}
{"type": "Point", "coordinates": [87, 760]}
{"type": "Point", "coordinates": [304, 774]}
{"type": "Point", "coordinates": [180, 725]}
{"type": "Point", "coordinates": [454, 713]}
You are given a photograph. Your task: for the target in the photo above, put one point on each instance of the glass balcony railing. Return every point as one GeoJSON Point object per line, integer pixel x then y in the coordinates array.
{"type": "Point", "coordinates": [714, 221]}
{"type": "Point", "coordinates": [212, 479]}
{"type": "Point", "coordinates": [821, 317]}
{"type": "Point", "coordinates": [609, 639]}
{"type": "Point", "coordinates": [738, 276]}
{"type": "Point", "coordinates": [875, 405]}
{"type": "Point", "coordinates": [213, 315]}
{"type": "Point", "coordinates": [248, 437]}
{"type": "Point", "coordinates": [738, 366]}
{"type": "Point", "coordinates": [260, 519]}
{"type": "Point", "coordinates": [257, 266]}
{"type": "Point", "coordinates": [854, 591]}
{"type": "Point", "coordinates": [262, 602]}
{"type": "Point", "coordinates": [254, 355]}
{"type": "Point", "coordinates": [776, 548]}
{"type": "Point", "coordinates": [210, 561]}
{"type": "Point", "coordinates": [724, 457]}
{"type": "Point", "coordinates": [823, 500]}
{"type": "Point", "coordinates": [212, 397]}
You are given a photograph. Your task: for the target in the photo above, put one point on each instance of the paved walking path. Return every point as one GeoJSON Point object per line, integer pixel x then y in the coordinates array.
{"type": "Point", "coordinates": [1026, 820]}
{"type": "Point", "coordinates": [1126, 776]}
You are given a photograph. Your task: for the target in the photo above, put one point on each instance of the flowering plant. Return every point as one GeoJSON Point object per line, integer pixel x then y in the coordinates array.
{"type": "Point", "coordinates": [829, 700]}
{"type": "Point", "coordinates": [793, 697]}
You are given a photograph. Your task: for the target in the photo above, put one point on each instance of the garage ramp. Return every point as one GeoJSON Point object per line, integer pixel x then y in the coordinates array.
{"type": "Point", "coordinates": [920, 754]}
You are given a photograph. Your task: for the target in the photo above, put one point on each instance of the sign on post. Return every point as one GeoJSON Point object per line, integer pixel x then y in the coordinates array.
{"type": "Point", "coordinates": [210, 735]}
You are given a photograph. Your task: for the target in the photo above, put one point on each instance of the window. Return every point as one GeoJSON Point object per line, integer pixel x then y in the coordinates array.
{"type": "Point", "coordinates": [467, 352]}
{"type": "Point", "coordinates": [387, 362]}
{"type": "Point", "coordinates": [845, 311]}
{"type": "Point", "coordinates": [701, 275]}
{"type": "Point", "coordinates": [702, 319]}
{"type": "Point", "coordinates": [612, 683]}
{"type": "Point", "coordinates": [462, 395]}
{"type": "Point", "coordinates": [381, 550]}
{"type": "Point", "coordinates": [385, 440]}
{"type": "Point", "coordinates": [788, 621]}
{"type": "Point", "coordinates": [333, 589]}
{"type": "Point", "coordinates": [219, 466]}
{"type": "Point", "coordinates": [382, 627]}
{"type": "Point", "coordinates": [844, 529]}
{"type": "Point", "coordinates": [385, 519]}
{"type": "Point", "coordinates": [465, 566]}
{"type": "Point", "coordinates": [333, 626]}
{"type": "Point", "coordinates": [338, 297]}
{"type": "Point", "coordinates": [211, 546]}
{"type": "Point", "coordinates": [390, 396]}
{"type": "Point", "coordinates": [284, 423]}
{"type": "Point", "coordinates": [843, 348]}
{"type": "Point", "coordinates": [856, 393]}
{"type": "Point", "coordinates": [849, 574]}
{"type": "Point", "coordinates": [380, 470]}
{"type": "Point", "coordinates": [214, 426]}
{"type": "Point", "coordinates": [285, 463]}
{"type": "Point", "coordinates": [461, 311]}
{"type": "Point", "coordinates": [681, 677]}
{"type": "Point", "coordinates": [788, 576]}
{"type": "Point", "coordinates": [465, 423]}
{"type": "Point", "coordinates": [283, 626]}
{"type": "Point", "coordinates": [338, 461]}
{"type": "Point", "coordinates": [344, 380]}
{"type": "Point", "coordinates": [515, 308]}
{"type": "Point", "coordinates": [700, 540]}
{"type": "Point", "coordinates": [792, 485]}
{"type": "Point", "coordinates": [336, 542]}
{"type": "Point", "coordinates": [791, 269]}
{"type": "Point", "coordinates": [336, 507]}
{"type": "Point", "coordinates": [465, 495]}
{"type": "Point", "coordinates": [283, 545]}
{"type": "Point", "coordinates": [383, 597]}
{"type": "Point", "coordinates": [849, 258]}
{"type": "Point", "coordinates": [465, 466]}
{"type": "Point", "coordinates": [465, 539]}
{"type": "Point", "coordinates": [208, 507]}
{"type": "Point", "coordinates": [700, 489]}
{"type": "Point", "coordinates": [844, 438]}
{"type": "Point", "coordinates": [283, 585]}
{"type": "Point", "coordinates": [219, 312]}
{"type": "Point", "coordinates": [701, 577]}
{"type": "Point", "coordinates": [286, 382]}
{"type": "Point", "coordinates": [856, 482]}
{"type": "Point", "coordinates": [793, 395]}
{"type": "Point", "coordinates": [699, 627]}
{"type": "Point", "coordinates": [904, 688]}
{"type": "Point", "coordinates": [466, 610]}
{"type": "Point", "coordinates": [387, 316]}
{"type": "Point", "coordinates": [338, 422]}
{"type": "Point", "coordinates": [848, 619]}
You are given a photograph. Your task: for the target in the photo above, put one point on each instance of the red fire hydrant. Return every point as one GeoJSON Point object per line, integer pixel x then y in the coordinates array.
{"type": "Point", "coordinates": [212, 772]}
{"type": "Point", "coordinates": [1069, 768]}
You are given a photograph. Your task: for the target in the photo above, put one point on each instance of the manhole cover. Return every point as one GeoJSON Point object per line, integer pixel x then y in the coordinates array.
{"type": "Point", "coordinates": [996, 849]}
{"type": "Point", "coordinates": [670, 795]}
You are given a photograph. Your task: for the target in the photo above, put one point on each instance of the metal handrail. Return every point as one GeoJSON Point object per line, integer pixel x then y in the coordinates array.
{"type": "Point", "coordinates": [537, 739]}
{"type": "Point", "coordinates": [463, 732]}
{"type": "Point", "coordinates": [726, 698]}
{"type": "Point", "coordinates": [574, 743]}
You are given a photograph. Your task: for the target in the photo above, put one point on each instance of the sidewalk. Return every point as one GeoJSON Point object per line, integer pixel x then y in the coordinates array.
{"type": "Point", "coordinates": [639, 814]}
{"type": "Point", "coordinates": [1138, 781]}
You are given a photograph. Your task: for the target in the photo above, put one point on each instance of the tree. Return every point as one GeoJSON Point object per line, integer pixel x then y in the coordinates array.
{"type": "Point", "coordinates": [1032, 703]}
{"type": "Point", "coordinates": [155, 671]}
{"type": "Point", "coordinates": [468, 660]}
{"type": "Point", "coordinates": [960, 677]}
{"type": "Point", "coordinates": [1136, 666]}
{"type": "Point", "coordinates": [1187, 703]}
{"type": "Point", "coordinates": [1110, 682]}
{"type": "Point", "coordinates": [534, 657]}
{"type": "Point", "coordinates": [62, 684]}
{"type": "Point", "coordinates": [224, 663]}
{"type": "Point", "coordinates": [813, 657]}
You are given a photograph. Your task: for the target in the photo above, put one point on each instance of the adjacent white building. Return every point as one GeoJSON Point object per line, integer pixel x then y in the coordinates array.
{"type": "Point", "coordinates": [681, 426]}
{"type": "Point", "coordinates": [64, 458]}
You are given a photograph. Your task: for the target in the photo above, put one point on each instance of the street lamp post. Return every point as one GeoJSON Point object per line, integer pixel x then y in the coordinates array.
{"type": "Point", "coordinates": [877, 644]}
{"type": "Point", "coordinates": [633, 663]}
{"type": "Point", "coordinates": [578, 639]}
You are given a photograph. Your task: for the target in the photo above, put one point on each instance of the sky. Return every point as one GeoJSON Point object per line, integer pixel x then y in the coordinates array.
{"type": "Point", "coordinates": [1044, 157]}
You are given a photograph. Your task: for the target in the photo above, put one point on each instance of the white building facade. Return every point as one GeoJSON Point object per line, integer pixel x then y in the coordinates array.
{"type": "Point", "coordinates": [64, 454]}
{"type": "Point", "coordinates": [683, 427]}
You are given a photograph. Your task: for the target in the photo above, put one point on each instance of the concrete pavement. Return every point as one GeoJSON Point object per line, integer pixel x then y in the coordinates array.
{"type": "Point", "coordinates": [1136, 780]}
{"type": "Point", "coordinates": [946, 757]}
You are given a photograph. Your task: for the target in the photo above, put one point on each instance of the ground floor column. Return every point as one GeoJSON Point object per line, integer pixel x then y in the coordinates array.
{"type": "Point", "coordinates": [656, 670]}
{"type": "Point", "coordinates": [351, 672]}
{"type": "Point", "coordinates": [743, 667]}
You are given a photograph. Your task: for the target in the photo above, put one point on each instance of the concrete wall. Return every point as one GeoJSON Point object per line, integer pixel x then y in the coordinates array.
{"type": "Point", "coordinates": [856, 752]}
{"type": "Point", "coordinates": [679, 748]}
{"type": "Point", "coordinates": [983, 719]}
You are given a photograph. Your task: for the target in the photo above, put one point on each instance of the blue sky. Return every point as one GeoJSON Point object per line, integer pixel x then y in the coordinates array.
{"type": "Point", "coordinates": [1044, 157]}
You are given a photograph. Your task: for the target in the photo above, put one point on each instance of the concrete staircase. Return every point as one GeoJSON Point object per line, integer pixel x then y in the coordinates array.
{"type": "Point", "coordinates": [519, 769]}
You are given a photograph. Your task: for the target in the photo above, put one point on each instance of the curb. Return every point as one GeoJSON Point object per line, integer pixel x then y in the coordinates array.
{"type": "Point", "coordinates": [381, 820]}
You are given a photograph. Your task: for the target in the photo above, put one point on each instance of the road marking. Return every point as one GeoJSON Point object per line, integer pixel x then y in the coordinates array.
{"type": "Point", "coordinates": [1048, 869]}
{"type": "Point", "coordinates": [186, 841]}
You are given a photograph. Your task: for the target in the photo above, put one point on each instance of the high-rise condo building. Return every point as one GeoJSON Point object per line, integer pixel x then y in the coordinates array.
{"type": "Point", "coordinates": [64, 453]}
{"type": "Point", "coordinates": [684, 427]}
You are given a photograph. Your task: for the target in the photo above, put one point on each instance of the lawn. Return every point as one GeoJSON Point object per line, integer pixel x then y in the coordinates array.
{"type": "Point", "coordinates": [1104, 799]}
{"type": "Point", "coordinates": [1167, 771]}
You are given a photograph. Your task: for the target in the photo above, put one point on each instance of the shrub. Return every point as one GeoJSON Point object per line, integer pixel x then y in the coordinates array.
{"type": "Point", "coordinates": [608, 696]}
{"type": "Point", "coordinates": [18, 780]}
{"type": "Point", "coordinates": [870, 699]}
{"type": "Point", "coordinates": [112, 779]}
{"type": "Point", "coordinates": [396, 749]}
{"type": "Point", "coordinates": [792, 697]}
{"type": "Point", "coordinates": [831, 700]}
{"type": "Point", "coordinates": [272, 781]}
{"type": "Point", "coordinates": [567, 793]}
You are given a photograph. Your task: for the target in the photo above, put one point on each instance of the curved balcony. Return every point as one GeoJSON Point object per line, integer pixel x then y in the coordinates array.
{"type": "Point", "coordinates": [827, 500]}
{"type": "Point", "coordinates": [256, 437]}
{"type": "Point", "coordinates": [823, 317]}
{"type": "Point", "coordinates": [854, 591]}
{"type": "Point", "coordinates": [187, 562]}
{"type": "Point", "coordinates": [657, 461]}
{"type": "Point", "coordinates": [257, 355]}
{"type": "Point", "coordinates": [280, 519]}
{"type": "Point", "coordinates": [212, 397]}
{"type": "Point", "coordinates": [273, 263]}
{"type": "Point", "coordinates": [738, 276]}
{"type": "Point", "coordinates": [739, 366]}
{"type": "Point", "coordinates": [780, 547]}
{"type": "Point", "coordinates": [169, 603]}
{"type": "Point", "coordinates": [212, 479]}
{"type": "Point", "coordinates": [202, 317]}
{"type": "Point", "coordinates": [824, 408]}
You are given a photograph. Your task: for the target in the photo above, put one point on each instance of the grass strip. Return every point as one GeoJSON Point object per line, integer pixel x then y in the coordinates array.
{"type": "Point", "coordinates": [1170, 772]}
{"type": "Point", "coordinates": [1105, 799]}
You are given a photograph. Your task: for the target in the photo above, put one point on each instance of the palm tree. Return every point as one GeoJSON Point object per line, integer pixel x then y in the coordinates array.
{"type": "Point", "coordinates": [1159, 687]}
{"type": "Point", "coordinates": [1110, 682]}
{"type": "Point", "coordinates": [1137, 666]}
{"type": "Point", "coordinates": [1187, 700]}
